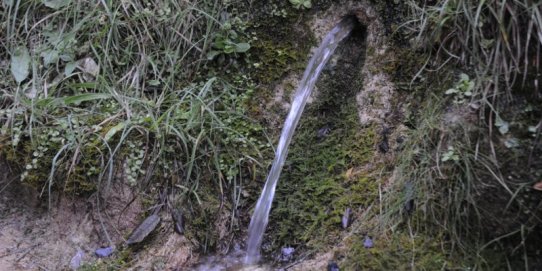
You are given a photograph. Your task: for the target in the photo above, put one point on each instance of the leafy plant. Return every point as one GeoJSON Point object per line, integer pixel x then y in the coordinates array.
{"type": "Point", "coordinates": [227, 41]}
{"type": "Point", "coordinates": [462, 90]}
{"type": "Point", "coordinates": [301, 3]}
{"type": "Point", "coordinates": [20, 64]}
{"type": "Point", "coordinates": [450, 155]}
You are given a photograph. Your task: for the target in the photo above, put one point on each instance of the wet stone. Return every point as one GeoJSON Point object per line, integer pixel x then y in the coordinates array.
{"type": "Point", "coordinates": [368, 242]}
{"type": "Point", "coordinates": [178, 221]}
{"type": "Point", "coordinates": [104, 252]}
{"type": "Point", "coordinates": [345, 221]}
{"type": "Point", "coordinates": [409, 206]}
{"type": "Point", "coordinates": [144, 229]}
{"type": "Point", "coordinates": [332, 266]}
{"type": "Point", "coordinates": [286, 254]}
{"type": "Point", "coordinates": [76, 260]}
{"type": "Point", "coordinates": [323, 132]}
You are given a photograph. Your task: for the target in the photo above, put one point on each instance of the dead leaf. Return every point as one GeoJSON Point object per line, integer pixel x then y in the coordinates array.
{"type": "Point", "coordinates": [348, 173]}
{"type": "Point", "coordinates": [89, 67]}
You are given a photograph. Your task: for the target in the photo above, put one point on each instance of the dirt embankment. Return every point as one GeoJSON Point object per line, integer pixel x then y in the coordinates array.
{"type": "Point", "coordinates": [35, 237]}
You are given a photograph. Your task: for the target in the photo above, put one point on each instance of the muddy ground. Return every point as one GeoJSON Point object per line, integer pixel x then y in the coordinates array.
{"type": "Point", "coordinates": [36, 237]}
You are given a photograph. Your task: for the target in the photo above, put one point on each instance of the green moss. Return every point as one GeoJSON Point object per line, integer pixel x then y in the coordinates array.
{"type": "Point", "coordinates": [317, 183]}
{"type": "Point", "coordinates": [282, 45]}
{"type": "Point", "coordinates": [119, 261]}
{"type": "Point", "coordinates": [202, 221]}
{"type": "Point", "coordinates": [400, 252]}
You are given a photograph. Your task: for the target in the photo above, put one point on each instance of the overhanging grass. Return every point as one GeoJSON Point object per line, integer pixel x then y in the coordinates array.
{"type": "Point", "coordinates": [118, 90]}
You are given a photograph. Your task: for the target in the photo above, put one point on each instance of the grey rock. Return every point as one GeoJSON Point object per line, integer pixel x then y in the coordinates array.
{"type": "Point", "coordinates": [104, 252]}
{"type": "Point", "coordinates": [287, 254]}
{"type": "Point", "coordinates": [144, 229]}
{"type": "Point", "coordinates": [332, 266]}
{"type": "Point", "coordinates": [178, 221]}
{"type": "Point", "coordinates": [323, 132]}
{"type": "Point", "coordinates": [345, 221]}
{"type": "Point", "coordinates": [76, 260]}
{"type": "Point", "coordinates": [368, 242]}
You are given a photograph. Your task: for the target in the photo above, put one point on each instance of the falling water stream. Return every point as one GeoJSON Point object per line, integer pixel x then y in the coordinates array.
{"type": "Point", "coordinates": [316, 64]}
{"type": "Point", "coordinates": [234, 260]}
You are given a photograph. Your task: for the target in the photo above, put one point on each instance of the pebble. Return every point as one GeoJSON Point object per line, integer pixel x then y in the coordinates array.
{"type": "Point", "coordinates": [332, 266]}
{"type": "Point", "coordinates": [76, 260]}
{"type": "Point", "coordinates": [178, 221]}
{"type": "Point", "coordinates": [104, 252]}
{"type": "Point", "coordinates": [287, 254]}
{"type": "Point", "coordinates": [368, 242]}
{"type": "Point", "coordinates": [323, 132]}
{"type": "Point", "coordinates": [345, 221]}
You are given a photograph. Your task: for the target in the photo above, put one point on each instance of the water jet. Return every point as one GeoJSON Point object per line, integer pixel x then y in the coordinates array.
{"type": "Point", "coordinates": [316, 64]}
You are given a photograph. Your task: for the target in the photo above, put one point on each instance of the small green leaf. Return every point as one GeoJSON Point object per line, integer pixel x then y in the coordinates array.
{"type": "Point", "coordinates": [464, 77]}
{"type": "Point", "coordinates": [450, 91]}
{"type": "Point", "coordinates": [470, 86]}
{"type": "Point", "coordinates": [154, 83]}
{"type": "Point", "coordinates": [77, 99]}
{"type": "Point", "coordinates": [503, 129]}
{"type": "Point", "coordinates": [242, 47]}
{"type": "Point", "coordinates": [20, 64]}
{"type": "Point", "coordinates": [228, 49]}
{"type": "Point", "coordinates": [511, 143]}
{"type": "Point", "coordinates": [70, 67]}
{"type": "Point", "coordinates": [46, 102]}
{"type": "Point", "coordinates": [49, 57]}
{"type": "Point", "coordinates": [114, 130]}
{"type": "Point", "coordinates": [56, 4]}
{"type": "Point", "coordinates": [233, 35]}
{"type": "Point", "coordinates": [502, 125]}
{"type": "Point", "coordinates": [212, 54]}
{"type": "Point", "coordinates": [307, 4]}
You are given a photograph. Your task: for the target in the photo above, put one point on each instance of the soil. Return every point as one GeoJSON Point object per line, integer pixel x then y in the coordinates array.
{"type": "Point", "coordinates": [36, 236]}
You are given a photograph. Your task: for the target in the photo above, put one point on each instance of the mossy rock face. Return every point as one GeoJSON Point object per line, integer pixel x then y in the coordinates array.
{"type": "Point", "coordinates": [283, 41]}
{"type": "Point", "coordinates": [315, 187]}
{"type": "Point", "coordinates": [401, 251]}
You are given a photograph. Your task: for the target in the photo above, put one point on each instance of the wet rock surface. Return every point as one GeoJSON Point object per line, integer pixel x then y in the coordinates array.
{"type": "Point", "coordinates": [286, 254]}
{"type": "Point", "coordinates": [104, 252]}
{"type": "Point", "coordinates": [144, 229]}
{"type": "Point", "coordinates": [368, 242]}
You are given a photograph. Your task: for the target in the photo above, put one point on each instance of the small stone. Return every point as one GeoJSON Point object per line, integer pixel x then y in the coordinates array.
{"type": "Point", "coordinates": [323, 132]}
{"type": "Point", "coordinates": [144, 229]}
{"type": "Point", "coordinates": [178, 221]}
{"type": "Point", "coordinates": [345, 221]}
{"type": "Point", "coordinates": [76, 260]}
{"type": "Point", "coordinates": [332, 266]}
{"type": "Point", "coordinates": [104, 252]}
{"type": "Point", "coordinates": [287, 254]}
{"type": "Point", "coordinates": [409, 206]}
{"type": "Point", "coordinates": [368, 242]}
{"type": "Point", "coordinates": [384, 146]}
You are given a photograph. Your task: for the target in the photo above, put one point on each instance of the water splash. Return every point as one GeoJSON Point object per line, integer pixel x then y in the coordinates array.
{"type": "Point", "coordinates": [316, 64]}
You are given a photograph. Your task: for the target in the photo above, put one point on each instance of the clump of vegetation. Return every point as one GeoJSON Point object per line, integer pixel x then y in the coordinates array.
{"type": "Point", "coordinates": [498, 38]}
{"type": "Point", "coordinates": [121, 91]}
{"type": "Point", "coordinates": [466, 185]}
{"type": "Point", "coordinates": [400, 251]}
{"type": "Point", "coordinates": [301, 3]}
